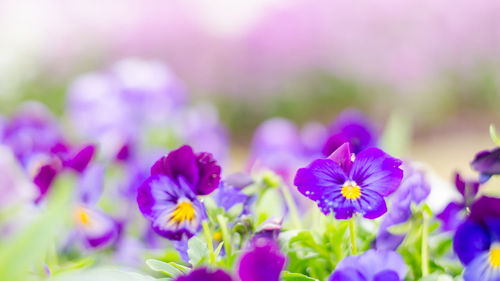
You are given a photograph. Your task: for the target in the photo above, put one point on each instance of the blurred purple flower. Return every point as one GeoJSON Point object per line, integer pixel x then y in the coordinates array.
{"type": "Point", "coordinates": [372, 265]}
{"type": "Point", "coordinates": [261, 261]}
{"type": "Point", "coordinates": [96, 228]}
{"type": "Point", "coordinates": [205, 274]}
{"type": "Point", "coordinates": [414, 189]}
{"type": "Point", "coordinates": [477, 241]}
{"type": "Point", "coordinates": [269, 229]}
{"type": "Point", "coordinates": [487, 163]}
{"type": "Point", "coordinates": [347, 187]}
{"type": "Point", "coordinates": [200, 170]}
{"type": "Point", "coordinates": [353, 127]}
{"type": "Point", "coordinates": [453, 214]}
{"type": "Point", "coordinates": [228, 196]}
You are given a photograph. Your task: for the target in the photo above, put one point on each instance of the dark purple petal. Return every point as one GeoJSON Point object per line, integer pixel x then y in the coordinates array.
{"type": "Point", "coordinates": [347, 274]}
{"type": "Point", "coordinates": [375, 170]}
{"type": "Point", "coordinates": [205, 274]}
{"type": "Point", "coordinates": [470, 240]}
{"type": "Point", "coordinates": [81, 159]}
{"type": "Point", "coordinates": [480, 269]}
{"type": "Point", "coordinates": [321, 176]}
{"type": "Point", "coordinates": [451, 216]}
{"type": "Point", "coordinates": [493, 226]}
{"type": "Point", "coordinates": [335, 142]}
{"type": "Point", "coordinates": [179, 162]}
{"type": "Point", "coordinates": [209, 173]}
{"type": "Point", "coordinates": [263, 261]}
{"type": "Point", "coordinates": [370, 204]}
{"type": "Point", "coordinates": [43, 180]}
{"type": "Point", "coordinates": [487, 162]}
{"type": "Point", "coordinates": [485, 207]}
{"type": "Point", "coordinates": [342, 156]}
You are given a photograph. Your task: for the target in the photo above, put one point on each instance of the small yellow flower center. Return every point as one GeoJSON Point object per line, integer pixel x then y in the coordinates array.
{"type": "Point", "coordinates": [217, 236]}
{"type": "Point", "coordinates": [81, 216]}
{"type": "Point", "coordinates": [495, 256]}
{"type": "Point", "coordinates": [183, 212]}
{"type": "Point", "coordinates": [351, 190]}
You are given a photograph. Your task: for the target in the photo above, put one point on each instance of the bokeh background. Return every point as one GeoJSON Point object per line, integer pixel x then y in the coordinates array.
{"type": "Point", "coordinates": [433, 66]}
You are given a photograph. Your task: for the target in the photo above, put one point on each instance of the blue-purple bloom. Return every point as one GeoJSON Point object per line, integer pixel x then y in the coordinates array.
{"type": "Point", "coordinates": [453, 214]}
{"type": "Point", "coordinates": [168, 198]}
{"type": "Point", "coordinates": [205, 274]}
{"type": "Point", "coordinates": [347, 187]}
{"type": "Point", "coordinates": [372, 265]}
{"type": "Point", "coordinates": [487, 163]}
{"type": "Point", "coordinates": [353, 127]}
{"type": "Point", "coordinates": [414, 189]}
{"type": "Point", "coordinates": [262, 261]}
{"type": "Point", "coordinates": [477, 241]}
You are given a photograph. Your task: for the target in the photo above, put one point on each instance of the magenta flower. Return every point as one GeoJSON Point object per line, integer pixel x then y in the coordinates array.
{"type": "Point", "coordinates": [262, 261]}
{"type": "Point", "coordinates": [347, 187]}
{"type": "Point", "coordinates": [205, 274]}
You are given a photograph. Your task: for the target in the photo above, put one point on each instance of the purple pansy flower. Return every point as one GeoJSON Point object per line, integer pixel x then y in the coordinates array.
{"type": "Point", "coordinates": [200, 170]}
{"type": "Point", "coordinates": [347, 187]}
{"type": "Point", "coordinates": [414, 189]}
{"type": "Point", "coordinates": [477, 241]}
{"type": "Point", "coordinates": [353, 127]}
{"type": "Point", "coordinates": [372, 265]}
{"type": "Point", "coordinates": [228, 196]}
{"type": "Point", "coordinates": [452, 215]}
{"type": "Point", "coordinates": [487, 163]}
{"type": "Point", "coordinates": [205, 274]}
{"type": "Point", "coordinates": [262, 261]}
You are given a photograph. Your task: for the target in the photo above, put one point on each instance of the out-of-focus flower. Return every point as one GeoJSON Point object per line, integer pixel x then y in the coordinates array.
{"type": "Point", "coordinates": [116, 105]}
{"type": "Point", "coordinates": [414, 189]}
{"type": "Point", "coordinates": [477, 241]}
{"type": "Point", "coordinates": [451, 215]}
{"type": "Point", "coordinates": [276, 145]}
{"type": "Point", "coordinates": [487, 163]}
{"type": "Point", "coordinates": [353, 127]}
{"type": "Point", "coordinates": [97, 229]}
{"type": "Point", "coordinates": [347, 187]}
{"type": "Point", "coordinates": [372, 265]}
{"type": "Point", "coordinates": [261, 261]}
{"type": "Point", "coordinates": [228, 196]}
{"type": "Point", "coordinates": [205, 274]}
{"type": "Point", "coordinates": [269, 229]}
{"type": "Point", "coordinates": [200, 170]}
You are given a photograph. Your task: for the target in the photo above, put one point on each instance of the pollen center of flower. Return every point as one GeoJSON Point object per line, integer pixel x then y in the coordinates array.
{"type": "Point", "coordinates": [495, 257]}
{"type": "Point", "coordinates": [183, 212]}
{"type": "Point", "coordinates": [351, 190]}
{"type": "Point", "coordinates": [81, 216]}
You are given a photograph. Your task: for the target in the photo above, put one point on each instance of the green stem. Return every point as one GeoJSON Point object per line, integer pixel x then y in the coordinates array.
{"type": "Point", "coordinates": [210, 244]}
{"type": "Point", "coordinates": [225, 235]}
{"type": "Point", "coordinates": [425, 248]}
{"type": "Point", "coordinates": [353, 235]}
{"type": "Point", "coordinates": [292, 207]}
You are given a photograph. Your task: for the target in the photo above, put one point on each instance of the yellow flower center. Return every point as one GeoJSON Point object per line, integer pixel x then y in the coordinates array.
{"type": "Point", "coordinates": [351, 190]}
{"type": "Point", "coordinates": [184, 211]}
{"type": "Point", "coordinates": [495, 256]}
{"type": "Point", "coordinates": [81, 216]}
{"type": "Point", "coordinates": [217, 236]}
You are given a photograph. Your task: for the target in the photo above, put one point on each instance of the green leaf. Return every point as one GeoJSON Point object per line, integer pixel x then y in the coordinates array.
{"type": "Point", "coordinates": [180, 267]}
{"type": "Point", "coordinates": [437, 277]}
{"type": "Point", "coordinates": [493, 135]}
{"type": "Point", "coordinates": [168, 269]}
{"type": "Point", "coordinates": [197, 251]}
{"type": "Point", "coordinates": [289, 276]}
{"type": "Point", "coordinates": [219, 248]}
{"type": "Point", "coordinates": [103, 274]}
